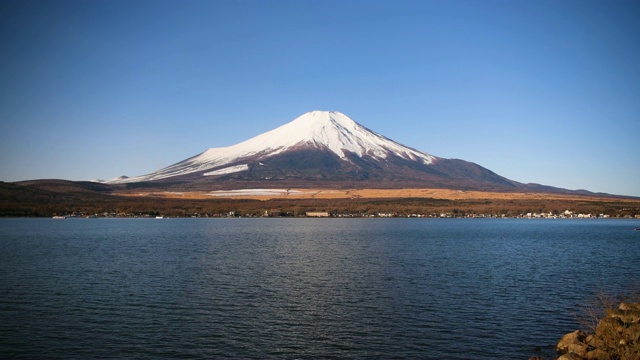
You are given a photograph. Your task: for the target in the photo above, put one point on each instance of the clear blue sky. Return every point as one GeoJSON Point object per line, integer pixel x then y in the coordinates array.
{"type": "Point", "coordinates": [537, 91]}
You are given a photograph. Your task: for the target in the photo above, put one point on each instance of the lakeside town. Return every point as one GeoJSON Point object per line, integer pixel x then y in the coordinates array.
{"type": "Point", "coordinates": [273, 213]}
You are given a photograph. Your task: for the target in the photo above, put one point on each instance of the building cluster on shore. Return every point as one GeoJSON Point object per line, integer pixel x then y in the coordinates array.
{"type": "Point", "coordinates": [325, 214]}
{"type": "Point", "coordinates": [566, 215]}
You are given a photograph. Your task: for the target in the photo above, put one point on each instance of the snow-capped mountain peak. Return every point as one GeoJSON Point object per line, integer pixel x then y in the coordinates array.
{"type": "Point", "coordinates": [324, 130]}
{"type": "Point", "coordinates": [332, 130]}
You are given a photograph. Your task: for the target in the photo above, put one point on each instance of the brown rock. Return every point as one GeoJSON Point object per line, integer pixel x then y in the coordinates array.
{"type": "Point", "coordinates": [578, 348]}
{"type": "Point", "coordinates": [629, 306]}
{"type": "Point", "coordinates": [632, 333]}
{"type": "Point", "coordinates": [597, 354]}
{"type": "Point", "coordinates": [570, 356]}
{"type": "Point", "coordinates": [617, 336]}
{"type": "Point", "coordinates": [625, 316]}
{"type": "Point", "coordinates": [594, 342]}
{"type": "Point", "coordinates": [568, 339]}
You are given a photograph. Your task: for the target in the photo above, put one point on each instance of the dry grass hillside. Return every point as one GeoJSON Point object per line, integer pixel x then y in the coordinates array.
{"type": "Point", "coordinates": [56, 197]}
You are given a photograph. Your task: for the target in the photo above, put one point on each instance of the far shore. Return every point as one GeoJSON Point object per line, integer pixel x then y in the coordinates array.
{"type": "Point", "coordinates": [296, 193]}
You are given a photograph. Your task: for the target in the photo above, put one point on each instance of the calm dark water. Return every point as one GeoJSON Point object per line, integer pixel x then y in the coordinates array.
{"type": "Point", "coordinates": [303, 288]}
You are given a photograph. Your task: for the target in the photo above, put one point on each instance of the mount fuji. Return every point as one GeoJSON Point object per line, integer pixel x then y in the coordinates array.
{"type": "Point", "coordinates": [324, 149]}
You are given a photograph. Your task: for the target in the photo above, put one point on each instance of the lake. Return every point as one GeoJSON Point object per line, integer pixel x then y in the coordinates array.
{"type": "Point", "coordinates": [304, 288]}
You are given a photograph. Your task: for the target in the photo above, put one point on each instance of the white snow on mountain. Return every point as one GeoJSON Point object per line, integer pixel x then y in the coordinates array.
{"type": "Point", "coordinates": [320, 129]}
{"type": "Point", "coordinates": [254, 192]}
{"type": "Point", "coordinates": [115, 180]}
{"type": "Point", "coordinates": [228, 170]}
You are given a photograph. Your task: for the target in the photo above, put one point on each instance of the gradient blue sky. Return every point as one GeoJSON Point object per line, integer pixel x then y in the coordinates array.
{"type": "Point", "coordinates": [537, 91]}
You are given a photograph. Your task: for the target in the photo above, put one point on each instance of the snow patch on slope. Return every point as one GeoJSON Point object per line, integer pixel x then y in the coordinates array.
{"type": "Point", "coordinates": [255, 192]}
{"type": "Point", "coordinates": [228, 170]}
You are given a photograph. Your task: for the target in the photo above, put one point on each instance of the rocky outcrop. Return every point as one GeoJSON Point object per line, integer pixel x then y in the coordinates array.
{"type": "Point", "coordinates": [616, 337]}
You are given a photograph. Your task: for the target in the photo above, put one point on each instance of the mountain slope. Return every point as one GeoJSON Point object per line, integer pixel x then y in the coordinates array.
{"type": "Point", "coordinates": [322, 148]}
{"type": "Point", "coordinates": [319, 130]}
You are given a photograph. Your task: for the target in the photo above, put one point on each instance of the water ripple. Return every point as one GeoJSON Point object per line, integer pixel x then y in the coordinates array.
{"type": "Point", "coordinates": [293, 288]}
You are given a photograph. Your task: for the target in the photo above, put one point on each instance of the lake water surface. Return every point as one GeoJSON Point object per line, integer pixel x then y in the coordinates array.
{"type": "Point", "coordinates": [304, 288]}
